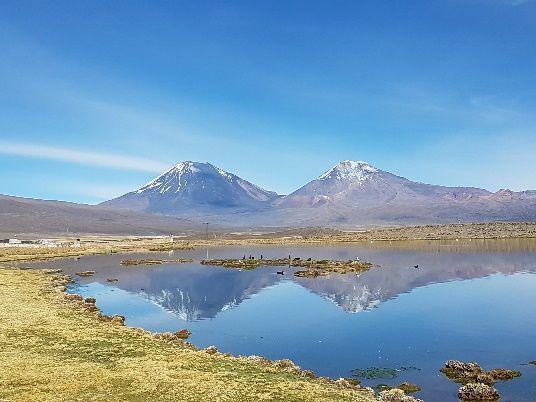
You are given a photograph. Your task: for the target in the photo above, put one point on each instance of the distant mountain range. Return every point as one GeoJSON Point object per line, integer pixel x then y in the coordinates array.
{"type": "Point", "coordinates": [349, 194]}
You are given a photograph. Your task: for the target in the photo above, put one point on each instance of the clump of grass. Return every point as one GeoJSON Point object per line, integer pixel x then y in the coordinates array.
{"type": "Point", "coordinates": [372, 373]}
{"type": "Point", "coordinates": [170, 246]}
{"type": "Point", "coordinates": [464, 373]}
{"type": "Point", "coordinates": [131, 262]}
{"type": "Point", "coordinates": [85, 273]}
{"type": "Point", "coordinates": [408, 387]}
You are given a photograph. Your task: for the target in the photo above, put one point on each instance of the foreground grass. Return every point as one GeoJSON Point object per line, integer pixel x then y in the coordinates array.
{"type": "Point", "coordinates": [52, 350]}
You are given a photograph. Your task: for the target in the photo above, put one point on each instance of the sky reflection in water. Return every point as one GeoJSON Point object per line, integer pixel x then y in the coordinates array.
{"type": "Point", "coordinates": [468, 300]}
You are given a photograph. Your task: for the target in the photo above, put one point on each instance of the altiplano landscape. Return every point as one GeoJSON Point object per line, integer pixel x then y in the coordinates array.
{"type": "Point", "coordinates": [263, 201]}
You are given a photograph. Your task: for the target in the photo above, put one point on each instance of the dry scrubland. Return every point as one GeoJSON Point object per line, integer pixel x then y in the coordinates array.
{"type": "Point", "coordinates": [51, 349]}
{"type": "Point", "coordinates": [492, 230]}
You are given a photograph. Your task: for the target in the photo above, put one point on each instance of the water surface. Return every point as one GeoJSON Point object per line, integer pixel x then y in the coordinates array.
{"type": "Point", "coordinates": [468, 300]}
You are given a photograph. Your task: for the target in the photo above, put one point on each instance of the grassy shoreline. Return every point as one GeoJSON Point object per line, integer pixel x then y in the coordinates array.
{"type": "Point", "coordinates": [52, 349]}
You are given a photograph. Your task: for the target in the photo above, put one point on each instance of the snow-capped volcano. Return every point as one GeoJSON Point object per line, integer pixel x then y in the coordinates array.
{"type": "Point", "coordinates": [346, 180]}
{"type": "Point", "coordinates": [194, 187]}
{"type": "Point", "coordinates": [356, 190]}
{"type": "Point", "coordinates": [186, 176]}
{"type": "Point", "coordinates": [349, 170]}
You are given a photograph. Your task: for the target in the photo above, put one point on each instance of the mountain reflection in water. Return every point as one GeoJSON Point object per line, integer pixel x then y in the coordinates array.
{"type": "Point", "coordinates": [195, 292]}
{"type": "Point", "coordinates": [467, 300]}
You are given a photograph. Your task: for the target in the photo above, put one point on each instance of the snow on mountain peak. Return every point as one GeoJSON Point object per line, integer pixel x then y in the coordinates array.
{"type": "Point", "coordinates": [225, 174]}
{"type": "Point", "coordinates": [356, 165]}
{"type": "Point", "coordinates": [185, 166]}
{"type": "Point", "coordinates": [187, 177]}
{"type": "Point", "coordinates": [349, 170]}
{"type": "Point", "coordinates": [199, 167]}
{"type": "Point", "coordinates": [179, 175]}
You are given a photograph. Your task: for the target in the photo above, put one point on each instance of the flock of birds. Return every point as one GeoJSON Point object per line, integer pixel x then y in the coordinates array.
{"type": "Point", "coordinates": [251, 257]}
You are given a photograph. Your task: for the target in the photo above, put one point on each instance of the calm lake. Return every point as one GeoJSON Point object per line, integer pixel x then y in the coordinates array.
{"type": "Point", "coordinates": [468, 300]}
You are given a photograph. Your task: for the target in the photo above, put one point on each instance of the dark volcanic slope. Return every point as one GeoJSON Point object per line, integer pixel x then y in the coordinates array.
{"type": "Point", "coordinates": [192, 188]}
{"type": "Point", "coordinates": [38, 217]}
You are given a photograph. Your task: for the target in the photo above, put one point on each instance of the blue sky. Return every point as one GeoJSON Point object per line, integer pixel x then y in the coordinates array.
{"type": "Point", "coordinates": [98, 97]}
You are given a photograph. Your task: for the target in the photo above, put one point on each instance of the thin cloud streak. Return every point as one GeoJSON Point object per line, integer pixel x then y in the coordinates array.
{"type": "Point", "coordinates": [95, 159]}
{"type": "Point", "coordinates": [517, 2]}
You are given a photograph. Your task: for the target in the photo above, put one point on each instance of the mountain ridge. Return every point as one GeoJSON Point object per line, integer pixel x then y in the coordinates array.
{"type": "Point", "coordinates": [350, 193]}
{"type": "Point", "coordinates": [35, 218]}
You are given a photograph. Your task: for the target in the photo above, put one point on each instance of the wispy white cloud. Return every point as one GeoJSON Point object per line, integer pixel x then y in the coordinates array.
{"type": "Point", "coordinates": [477, 110]}
{"type": "Point", "coordinates": [88, 190]}
{"type": "Point", "coordinates": [87, 158]}
{"type": "Point", "coordinates": [504, 2]}
{"type": "Point", "coordinates": [516, 2]}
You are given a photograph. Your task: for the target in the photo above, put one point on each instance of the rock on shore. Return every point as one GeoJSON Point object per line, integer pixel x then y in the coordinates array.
{"type": "Point", "coordinates": [478, 392]}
